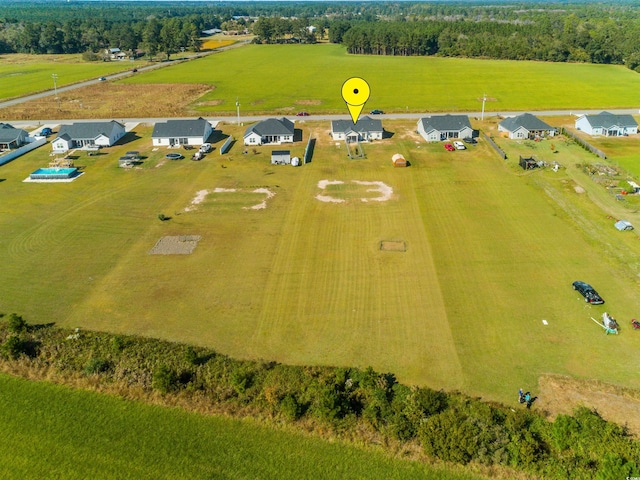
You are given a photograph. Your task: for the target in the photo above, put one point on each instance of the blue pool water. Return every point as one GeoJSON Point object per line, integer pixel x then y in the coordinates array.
{"type": "Point", "coordinates": [53, 173]}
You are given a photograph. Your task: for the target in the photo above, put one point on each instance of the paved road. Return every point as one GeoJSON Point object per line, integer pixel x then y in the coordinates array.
{"type": "Point", "coordinates": [116, 76]}
{"type": "Point", "coordinates": [346, 116]}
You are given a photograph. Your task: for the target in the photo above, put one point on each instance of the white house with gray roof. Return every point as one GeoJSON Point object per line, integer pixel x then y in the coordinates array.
{"type": "Point", "coordinates": [525, 126]}
{"type": "Point", "coordinates": [11, 137]}
{"type": "Point", "coordinates": [437, 128]}
{"type": "Point", "coordinates": [607, 124]}
{"type": "Point", "coordinates": [270, 131]}
{"type": "Point", "coordinates": [181, 132]}
{"type": "Point", "coordinates": [89, 134]}
{"type": "Point", "coordinates": [364, 130]}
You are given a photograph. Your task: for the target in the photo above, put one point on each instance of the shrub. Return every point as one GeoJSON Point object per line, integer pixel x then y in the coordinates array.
{"type": "Point", "coordinates": [97, 365]}
{"type": "Point", "coordinates": [162, 217]}
{"type": "Point", "coordinates": [17, 324]}
{"type": "Point", "coordinates": [290, 407]}
{"type": "Point", "coordinates": [165, 380]}
{"type": "Point", "coordinates": [13, 347]}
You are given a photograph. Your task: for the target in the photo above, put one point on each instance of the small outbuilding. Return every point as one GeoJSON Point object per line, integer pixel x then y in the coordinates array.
{"type": "Point", "coordinates": [623, 225]}
{"type": "Point", "coordinates": [280, 157]}
{"type": "Point", "coordinates": [398, 160]}
{"type": "Point", "coordinates": [528, 163]}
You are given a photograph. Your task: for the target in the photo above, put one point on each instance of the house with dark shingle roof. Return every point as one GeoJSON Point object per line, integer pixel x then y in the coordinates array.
{"type": "Point", "coordinates": [270, 131]}
{"type": "Point", "coordinates": [607, 124]}
{"type": "Point", "coordinates": [525, 126]}
{"type": "Point", "coordinates": [181, 132]}
{"type": "Point", "coordinates": [364, 130]}
{"type": "Point", "coordinates": [437, 128]}
{"type": "Point", "coordinates": [11, 137]}
{"type": "Point", "coordinates": [88, 134]}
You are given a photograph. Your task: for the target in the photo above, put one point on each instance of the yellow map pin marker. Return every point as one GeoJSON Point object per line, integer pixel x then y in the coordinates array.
{"type": "Point", "coordinates": [355, 91]}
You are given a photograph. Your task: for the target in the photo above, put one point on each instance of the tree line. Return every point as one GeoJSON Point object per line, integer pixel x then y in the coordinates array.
{"type": "Point", "coordinates": [548, 38]}
{"type": "Point", "coordinates": [360, 404]}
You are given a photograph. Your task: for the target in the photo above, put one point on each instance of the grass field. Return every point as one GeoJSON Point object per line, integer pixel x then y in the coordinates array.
{"type": "Point", "coordinates": [490, 253]}
{"type": "Point", "coordinates": [310, 77]}
{"type": "Point", "coordinates": [51, 431]}
{"type": "Point", "coordinates": [25, 74]}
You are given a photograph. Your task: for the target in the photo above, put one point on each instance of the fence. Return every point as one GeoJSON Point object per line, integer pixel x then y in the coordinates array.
{"type": "Point", "coordinates": [308, 151]}
{"type": "Point", "coordinates": [13, 154]}
{"type": "Point", "coordinates": [583, 143]}
{"type": "Point", "coordinates": [226, 145]}
{"type": "Point", "coordinates": [495, 146]}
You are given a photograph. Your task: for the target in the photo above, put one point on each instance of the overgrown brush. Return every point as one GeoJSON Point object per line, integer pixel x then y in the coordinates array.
{"type": "Point", "coordinates": [349, 401]}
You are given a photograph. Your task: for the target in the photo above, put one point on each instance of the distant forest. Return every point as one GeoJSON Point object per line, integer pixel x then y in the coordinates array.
{"type": "Point", "coordinates": [605, 33]}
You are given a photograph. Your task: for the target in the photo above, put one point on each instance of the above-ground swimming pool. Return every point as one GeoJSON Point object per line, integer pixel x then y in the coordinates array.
{"type": "Point", "coordinates": [54, 173]}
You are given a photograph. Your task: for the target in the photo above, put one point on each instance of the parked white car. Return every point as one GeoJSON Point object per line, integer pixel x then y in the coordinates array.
{"type": "Point", "coordinates": [459, 145]}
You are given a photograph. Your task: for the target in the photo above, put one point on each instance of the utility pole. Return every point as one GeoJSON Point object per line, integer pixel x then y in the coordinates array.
{"type": "Point", "coordinates": [238, 110]}
{"type": "Point", "coordinates": [484, 99]}
{"type": "Point", "coordinates": [55, 87]}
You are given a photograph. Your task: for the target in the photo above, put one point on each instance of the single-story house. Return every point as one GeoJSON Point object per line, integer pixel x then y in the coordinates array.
{"type": "Point", "coordinates": [525, 126]}
{"type": "Point", "coordinates": [607, 124]}
{"type": "Point", "coordinates": [280, 157]}
{"type": "Point", "coordinates": [271, 130]}
{"type": "Point", "coordinates": [181, 132]}
{"type": "Point", "coordinates": [442, 127]}
{"type": "Point", "coordinates": [364, 130]}
{"type": "Point", "coordinates": [115, 54]}
{"type": "Point", "coordinates": [88, 134]}
{"type": "Point", "coordinates": [11, 137]}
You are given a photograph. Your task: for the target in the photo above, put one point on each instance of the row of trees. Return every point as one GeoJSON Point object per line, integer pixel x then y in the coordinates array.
{"type": "Point", "coordinates": [361, 404]}
{"type": "Point", "coordinates": [557, 40]}
{"type": "Point", "coordinates": [167, 35]}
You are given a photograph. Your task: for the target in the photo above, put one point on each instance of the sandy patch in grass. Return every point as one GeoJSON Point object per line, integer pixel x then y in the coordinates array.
{"type": "Point", "coordinates": [578, 189]}
{"type": "Point", "coordinates": [386, 192]}
{"type": "Point", "coordinates": [269, 194]}
{"type": "Point", "coordinates": [175, 245]}
{"type": "Point", "coordinates": [202, 194]}
{"type": "Point", "coordinates": [308, 102]}
{"type": "Point", "coordinates": [113, 100]}
{"type": "Point", "coordinates": [559, 394]}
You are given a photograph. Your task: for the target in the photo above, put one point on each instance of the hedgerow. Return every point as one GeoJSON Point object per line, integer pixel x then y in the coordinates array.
{"type": "Point", "coordinates": [450, 426]}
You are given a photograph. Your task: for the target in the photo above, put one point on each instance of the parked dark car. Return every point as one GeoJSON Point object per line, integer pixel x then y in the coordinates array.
{"type": "Point", "coordinates": [470, 140]}
{"type": "Point", "coordinates": [102, 79]}
{"type": "Point", "coordinates": [46, 131]}
{"type": "Point", "coordinates": [302, 114]}
{"type": "Point", "coordinates": [588, 292]}
{"type": "Point", "coordinates": [376, 112]}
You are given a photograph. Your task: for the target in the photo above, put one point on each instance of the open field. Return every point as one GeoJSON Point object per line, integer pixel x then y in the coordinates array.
{"type": "Point", "coordinates": [490, 252]}
{"type": "Point", "coordinates": [24, 74]}
{"type": "Point", "coordinates": [51, 431]}
{"type": "Point", "coordinates": [111, 100]}
{"type": "Point", "coordinates": [397, 83]}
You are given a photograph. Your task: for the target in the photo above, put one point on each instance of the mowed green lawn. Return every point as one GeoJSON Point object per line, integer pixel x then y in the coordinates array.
{"type": "Point", "coordinates": [49, 431]}
{"type": "Point", "coordinates": [291, 78]}
{"type": "Point", "coordinates": [490, 253]}
{"type": "Point", "coordinates": [26, 74]}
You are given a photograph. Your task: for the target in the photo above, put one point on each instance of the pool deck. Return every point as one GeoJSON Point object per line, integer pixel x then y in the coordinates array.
{"type": "Point", "coordinates": [53, 180]}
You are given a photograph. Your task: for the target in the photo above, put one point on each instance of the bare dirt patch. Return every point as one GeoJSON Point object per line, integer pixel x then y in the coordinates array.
{"type": "Point", "coordinates": [308, 102]}
{"type": "Point", "coordinates": [561, 395]}
{"type": "Point", "coordinates": [175, 245]}
{"type": "Point", "coordinates": [112, 100]}
{"type": "Point", "coordinates": [393, 246]}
